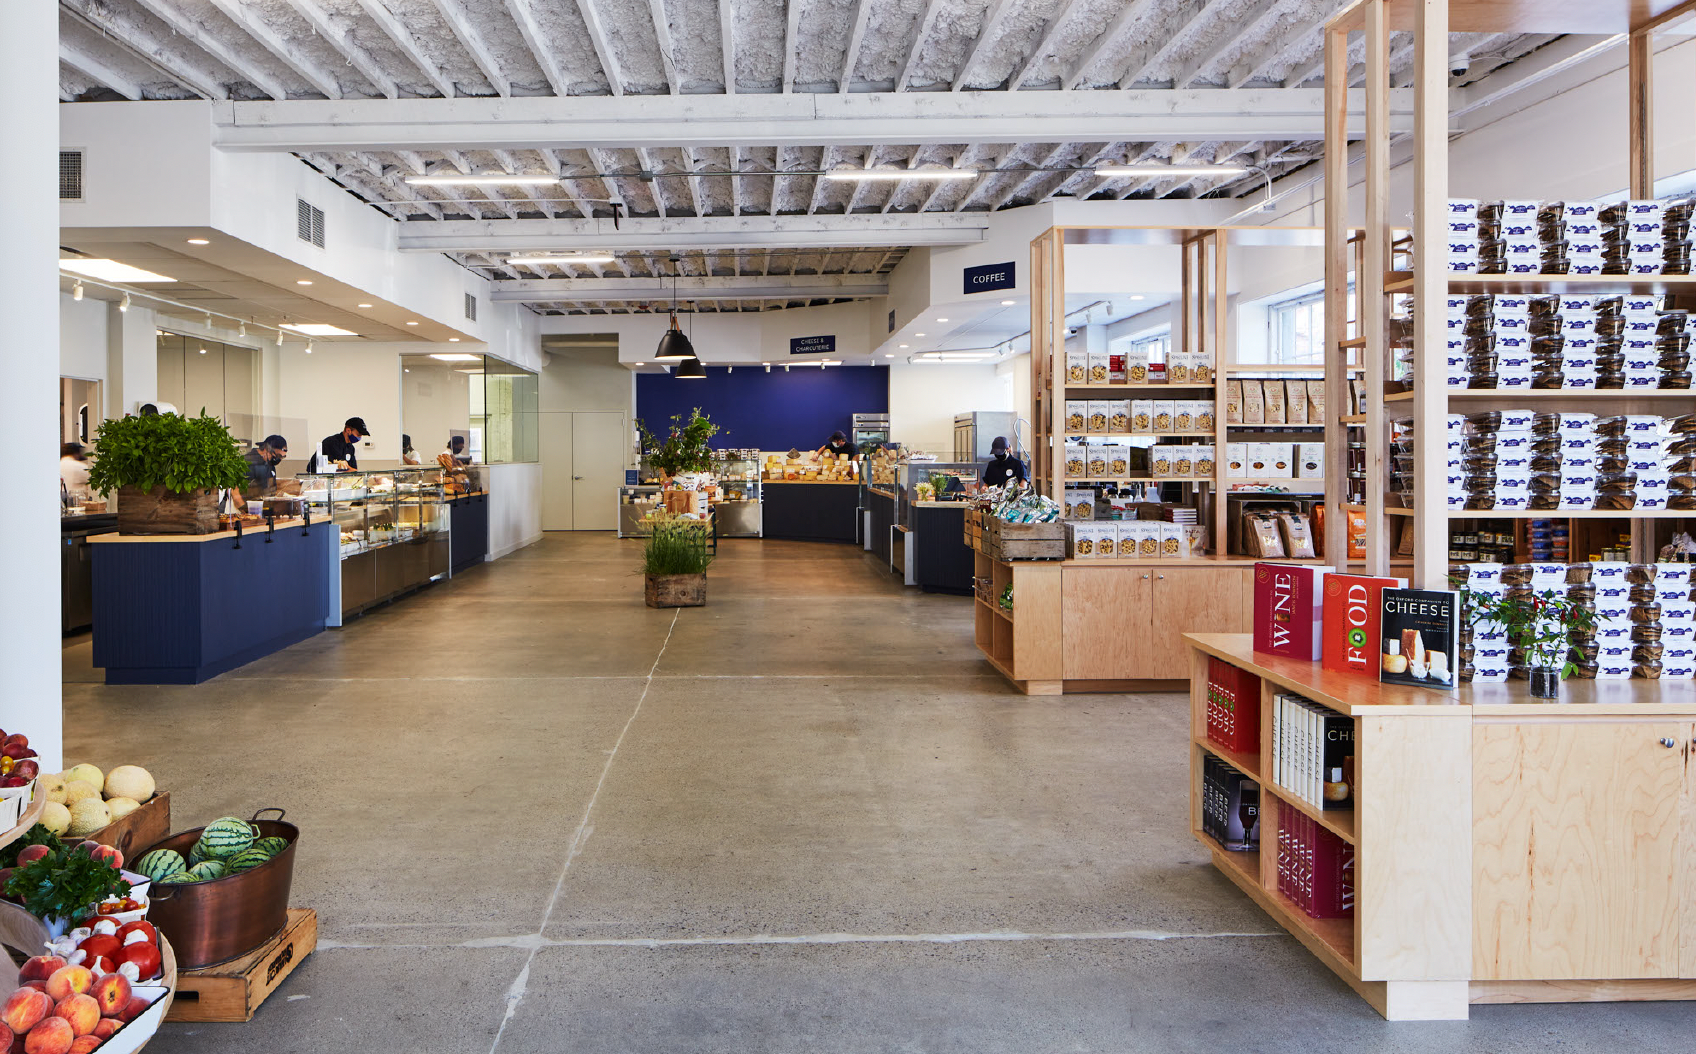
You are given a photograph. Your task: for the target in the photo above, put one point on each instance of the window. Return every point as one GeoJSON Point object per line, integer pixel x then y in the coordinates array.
{"type": "Point", "coordinates": [1154, 345]}
{"type": "Point", "coordinates": [1298, 331]}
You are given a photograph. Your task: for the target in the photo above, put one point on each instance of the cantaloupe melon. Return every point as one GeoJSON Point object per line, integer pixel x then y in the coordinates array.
{"type": "Point", "coordinates": [129, 781]}
{"type": "Point", "coordinates": [88, 815]}
{"type": "Point", "coordinates": [55, 817]}
{"type": "Point", "coordinates": [77, 790]}
{"type": "Point", "coordinates": [122, 807]}
{"type": "Point", "coordinates": [52, 784]}
{"type": "Point", "coordinates": [88, 772]}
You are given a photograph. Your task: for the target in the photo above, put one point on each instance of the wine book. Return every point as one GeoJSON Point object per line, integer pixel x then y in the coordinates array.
{"type": "Point", "coordinates": [1288, 608]}
{"type": "Point", "coordinates": [1419, 641]}
{"type": "Point", "coordinates": [1351, 614]}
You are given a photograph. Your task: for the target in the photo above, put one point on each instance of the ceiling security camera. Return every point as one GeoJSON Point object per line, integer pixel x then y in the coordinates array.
{"type": "Point", "coordinates": [1459, 64]}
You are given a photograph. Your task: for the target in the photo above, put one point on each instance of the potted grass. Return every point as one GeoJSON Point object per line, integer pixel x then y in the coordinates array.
{"type": "Point", "coordinates": [674, 564]}
{"type": "Point", "coordinates": [167, 471]}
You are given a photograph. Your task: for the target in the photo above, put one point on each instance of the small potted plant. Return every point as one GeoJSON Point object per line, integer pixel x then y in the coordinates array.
{"type": "Point", "coordinates": [1539, 625]}
{"type": "Point", "coordinates": [674, 564]}
{"type": "Point", "coordinates": [167, 471]}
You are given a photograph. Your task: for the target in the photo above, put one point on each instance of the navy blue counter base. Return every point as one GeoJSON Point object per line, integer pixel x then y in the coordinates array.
{"type": "Point", "coordinates": [812, 512]}
{"type": "Point", "coordinates": [944, 560]}
{"type": "Point", "coordinates": [468, 531]}
{"type": "Point", "coordinates": [168, 612]}
{"type": "Point", "coordinates": [882, 516]}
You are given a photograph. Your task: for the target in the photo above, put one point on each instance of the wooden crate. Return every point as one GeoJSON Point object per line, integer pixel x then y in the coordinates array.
{"type": "Point", "coordinates": [232, 991]}
{"type": "Point", "coordinates": [140, 830]}
{"type": "Point", "coordinates": [974, 528]}
{"type": "Point", "coordinates": [1023, 541]}
{"type": "Point", "coordinates": [159, 511]}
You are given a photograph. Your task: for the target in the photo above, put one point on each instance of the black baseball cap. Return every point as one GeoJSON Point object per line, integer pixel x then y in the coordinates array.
{"type": "Point", "coordinates": [837, 435]}
{"type": "Point", "coordinates": [999, 446]}
{"type": "Point", "coordinates": [276, 442]}
{"type": "Point", "coordinates": [357, 422]}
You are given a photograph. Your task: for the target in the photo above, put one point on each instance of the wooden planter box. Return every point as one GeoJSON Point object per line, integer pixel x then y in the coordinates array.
{"type": "Point", "coordinates": [675, 591]}
{"type": "Point", "coordinates": [159, 511]}
{"type": "Point", "coordinates": [1023, 541]}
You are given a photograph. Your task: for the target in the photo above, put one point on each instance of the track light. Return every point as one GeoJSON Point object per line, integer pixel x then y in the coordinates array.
{"type": "Point", "coordinates": [309, 347]}
{"type": "Point", "coordinates": [76, 290]}
{"type": "Point", "coordinates": [124, 304]}
{"type": "Point", "coordinates": [241, 329]}
{"type": "Point", "coordinates": [768, 367]}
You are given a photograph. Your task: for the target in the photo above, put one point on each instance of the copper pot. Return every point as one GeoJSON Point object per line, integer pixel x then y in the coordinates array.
{"type": "Point", "coordinates": [222, 919]}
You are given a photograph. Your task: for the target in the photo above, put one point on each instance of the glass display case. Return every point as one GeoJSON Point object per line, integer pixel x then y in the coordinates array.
{"type": "Point", "coordinates": [738, 508]}
{"type": "Point", "coordinates": [392, 526]}
{"type": "Point", "coordinates": [634, 505]}
{"type": "Point", "coordinates": [957, 478]}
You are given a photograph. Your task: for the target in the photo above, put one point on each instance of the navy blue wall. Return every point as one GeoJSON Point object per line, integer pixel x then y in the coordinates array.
{"type": "Point", "coordinates": [771, 411]}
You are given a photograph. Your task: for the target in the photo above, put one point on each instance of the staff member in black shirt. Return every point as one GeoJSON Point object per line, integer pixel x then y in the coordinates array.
{"type": "Point", "coordinates": [340, 449]}
{"type": "Point", "coordinates": [262, 462]}
{"type": "Point", "coordinates": [1002, 466]}
{"type": "Point", "coordinates": [837, 445]}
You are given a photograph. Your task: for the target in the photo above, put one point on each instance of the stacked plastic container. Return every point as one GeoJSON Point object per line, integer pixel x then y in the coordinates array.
{"type": "Point", "coordinates": [1571, 237]}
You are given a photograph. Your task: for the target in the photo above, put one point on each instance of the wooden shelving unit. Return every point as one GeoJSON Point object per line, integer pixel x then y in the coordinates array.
{"type": "Point", "coordinates": [1369, 257]}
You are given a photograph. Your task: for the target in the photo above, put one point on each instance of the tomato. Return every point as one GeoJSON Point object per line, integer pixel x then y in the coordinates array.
{"type": "Point", "coordinates": [144, 955]}
{"type": "Point", "coordinates": [144, 926]}
{"type": "Point", "coordinates": [102, 944]}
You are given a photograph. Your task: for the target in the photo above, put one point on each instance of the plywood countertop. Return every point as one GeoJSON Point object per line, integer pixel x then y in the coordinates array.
{"type": "Point", "coordinates": [1358, 695]}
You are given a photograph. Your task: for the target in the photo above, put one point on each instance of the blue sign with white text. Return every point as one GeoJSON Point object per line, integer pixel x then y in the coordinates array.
{"type": "Point", "coordinates": [990, 277]}
{"type": "Point", "coordinates": [812, 345]}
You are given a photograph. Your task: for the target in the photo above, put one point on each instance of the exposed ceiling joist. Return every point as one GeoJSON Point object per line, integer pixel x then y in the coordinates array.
{"type": "Point", "coordinates": [855, 120]}
{"type": "Point", "coordinates": [172, 63]}
{"type": "Point", "coordinates": [927, 19]}
{"type": "Point", "coordinates": [727, 41]}
{"type": "Point", "coordinates": [472, 42]}
{"type": "Point", "coordinates": [989, 29]}
{"type": "Point", "coordinates": [1040, 50]}
{"type": "Point", "coordinates": [97, 70]}
{"type": "Point", "coordinates": [403, 38]}
{"type": "Point", "coordinates": [355, 55]}
{"type": "Point", "coordinates": [662, 36]}
{"type": "Point", "coordinates": [704, 287]}
{"type": "Point", "coordinates": [541, 48]}
{"type": "Point", "coordinates": [1252, 24]}
{"type": "Point", "coordinates": [167, 12]}
{"type": "Point", "coordinates": [791, 43]}
{"type": "Point", "coordinates": [744, 232]}
{"type": "Point", "coordinates": [305, 68]}
{"type": "Point", "coordinates": [1156, 51]}
{"type": "Point", "coordinates": [603, 50]}
{"type": "Point", "coordinates": [862, 13]}
{"type": "Point", "coordinates": [1128, 14]}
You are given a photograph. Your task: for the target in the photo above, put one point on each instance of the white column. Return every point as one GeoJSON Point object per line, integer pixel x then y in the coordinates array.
{"type": "Point", "coordinates": [30, 697]}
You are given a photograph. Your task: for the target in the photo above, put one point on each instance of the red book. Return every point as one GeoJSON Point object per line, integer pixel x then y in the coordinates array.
{"type": "Point", "coordinates": [1288, 609]}
{"type": "Point", "coordinates": [1331, 892]}
{"type": "Point", "coordinates": [1353, 610]}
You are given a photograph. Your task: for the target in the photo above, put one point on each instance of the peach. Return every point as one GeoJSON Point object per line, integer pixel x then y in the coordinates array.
{"type": "Point", "coordinates": [29, 854]}
{"type": "Point", "coordinates": [39, 986]}
{"type": "Point", "coordinates": [5, 1037]}
{"type": "Point", "coordinates": [52, 1036]}
{"type": "Point", "coordinates": [40, 968]}
{"type": "Point", "coordinates": [85, 1044]}
{"type": "Point", "coordinates": [107, 1026]}
{"type": "Point", "coordinates": [68, 981]}
{"type": "Point", "coordinates": [25, 1007]}
{"type": "Point", "coordinates": [112, 992]}
{"type": "Point", "coordinates": [81, 1012]}
{"type": "Point", "coordinates": [107, 854]}
{"type": "Point", "coordinates": [134, 1008]}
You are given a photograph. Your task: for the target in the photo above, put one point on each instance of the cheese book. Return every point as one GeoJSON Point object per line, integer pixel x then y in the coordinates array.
{"type": "Point", "coordinates": [1419, 638]}
{"type": "Point", "coordinates": [1352, 612]}
{"type": "Point", "coordinates": [1287, 609]}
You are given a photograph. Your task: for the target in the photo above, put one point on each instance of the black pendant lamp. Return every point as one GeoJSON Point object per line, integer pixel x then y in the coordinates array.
{"type": "Point", "coordinates": [690, 369]}
{"type": "Point", "coordinates": [674, 346]}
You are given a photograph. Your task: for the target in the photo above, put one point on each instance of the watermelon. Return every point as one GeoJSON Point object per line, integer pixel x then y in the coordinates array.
{"type": "Point", "coordinates": [225, 837]}
{"type": "Point", "coordinates": [248, 859]}
{"type": "Point", "coordinates": [196, 854]}
{"type": "Point", "coordinates": [207, 870]}
{"type": "Point", "coordinates": [178, 879]}
{"type": "Point", "coordinates": [159, 863]}
{"type": "Point", "coordinates": [272, 845]}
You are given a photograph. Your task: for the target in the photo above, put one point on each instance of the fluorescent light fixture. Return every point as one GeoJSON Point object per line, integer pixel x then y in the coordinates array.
{"type": "Point", "coordinates": [487, 179]}
{"type": "Point", "coordinates": [303, 281]}
{"type": "Point", "coordinates": [1171, 170]}
{"type": "Point", "coordinates": [453, 356]}
{"type": "Point", "coordinates": [942, 320]}
{"type": "Point", "coordinates": [953, 356]}
{"type": "Point", "coordinates": [563, 258]}
{"type": "Point", "coordinates": [110, 271]}
{"type": "Point", "coordinates": [856, 175]}
{"type": "Point", "coordinates": [453, 340]}
{"type": "Point", "coordinates": [198, 241]}
{"type": "Point", "coordinates": [317, 329]}
{"type": "Point", "coordinates": [412, 323]}
{"type": "Point", "coordinates": [364, 305]}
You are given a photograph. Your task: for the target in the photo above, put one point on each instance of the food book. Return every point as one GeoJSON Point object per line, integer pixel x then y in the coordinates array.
{"type": "Point", "coordinates": [1287, 609]}
{"type": "Point", "coordinates": [1419, 637]}
{"type": "Point", "coordinates": [1352, 610]}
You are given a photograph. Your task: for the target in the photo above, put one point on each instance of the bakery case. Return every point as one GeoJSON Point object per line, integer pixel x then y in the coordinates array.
{"type": "Point", "coordinates": [392, 527]}
{"type": "Point", "coordinates": [739, 509]}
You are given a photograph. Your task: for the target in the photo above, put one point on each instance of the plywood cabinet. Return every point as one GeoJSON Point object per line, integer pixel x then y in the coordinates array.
{"type": "Point", "coordinates": [1128, 622]}
{"type": "Point", "coordinates": [1580, 848]}
{"type": "Point", "coordinates": [1190, 600]}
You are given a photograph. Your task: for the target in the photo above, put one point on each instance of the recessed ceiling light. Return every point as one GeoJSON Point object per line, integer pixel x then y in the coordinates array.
{"type": "Point", "coordinates": [942, 320]}
{"type": "Point", "coordinates": [1008, 303]}
{"type": "Point", "coordinates": [412, 323]}
{"type": "Point", "coordinates": [199, 241]}
{"type": "Point", "coordinates": [641, 364]}
{"type": "Point", "coordinates": [903, 345]}
{"type": "Point", "coordinates": [453, 356]}
{"type": "Point", "coordinates": [364, 305]}
{"type": "Point", "coordinates": [303, 281]}
{"type": "Point", "coordinates": [317, 329]}
{"type": "Point", "coordinates": [492, 179]}
{"type": "Point", "coordinates": [854, 175]}
{"type": "Point", "coordinates": [889, 354]}
{"type": "Point", "coordinates": [918, 334]}
{"type": "Point", "coordinates": [1139, 298]}
{"type": "Point", "coordinates": [453, 340]}
{"type": "Point", "coordinates": [110, 270]}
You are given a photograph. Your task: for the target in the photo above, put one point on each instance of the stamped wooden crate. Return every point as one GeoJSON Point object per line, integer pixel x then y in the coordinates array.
{"type": "Point", "coordinates": [1023, 541]}
{"type": "Point", "coordinates": [140, 830]}
{"type": "Point", "coordinates": [232, 991]}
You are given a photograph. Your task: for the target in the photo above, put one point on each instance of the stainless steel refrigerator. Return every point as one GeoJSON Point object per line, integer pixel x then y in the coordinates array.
{"type": "Point", "coordinates": [974, 432]}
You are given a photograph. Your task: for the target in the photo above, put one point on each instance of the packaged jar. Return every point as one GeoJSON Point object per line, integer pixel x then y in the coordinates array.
{"type": "Point", "coordinates": [1675, 381]}
{"type": "Point", "coordinates": [1671, 322]}
{"type": "Point", "coordinates": [1586, 671]}
{"type": "Point", "coordinates": [1483, 381]}
{"type": "Point", "coordinates": [1642, 593]}
{"type": "Point", "coordinates": [1578, 574]}
{"type": "Point", "coordinates": [1480, 502]}
{"type": "Point", "coordinates": [1649, 671]}
{"type": "Point", "coordinates": [1684, 424]}
{"type": "Point", "coordinates": [1646, 633]}
{"type": "Point", "coordinates": [1617, 502]}
{"type": "Point", "coordinates": [1516, 575]}
{"type": "Point", "coordinates": [1672, 343]}
{"type": "Point", "coordinates": [1582, 652]}
{"type": "Point", "coordinates": [1647, 652]}
{"type": "Point", "coordinates": [1547, 381]}
{"type": "Point", "coordinates": [1673, 360]}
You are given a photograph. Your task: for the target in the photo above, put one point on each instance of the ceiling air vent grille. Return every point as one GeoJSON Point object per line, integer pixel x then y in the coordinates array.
{"type": "Point", "coordinates": [70, 175]}
{"type": "Point", "coordinates": [309, 222]}
{"type": "Point", "coordinates": [470, 307]}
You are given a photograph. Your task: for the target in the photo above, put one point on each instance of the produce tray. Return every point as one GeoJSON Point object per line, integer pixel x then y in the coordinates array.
{"type": "Point", "coordinates": [146, 826]}
{"type": "Point", "coordinates": [234, 990]}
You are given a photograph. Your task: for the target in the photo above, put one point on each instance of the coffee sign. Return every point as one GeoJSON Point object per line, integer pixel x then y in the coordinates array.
{"type": "Point", "coordinates": [990, 277]}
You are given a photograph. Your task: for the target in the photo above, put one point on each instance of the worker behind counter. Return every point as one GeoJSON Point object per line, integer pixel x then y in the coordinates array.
{"type": "Point", "coordinates": [1002, 465]}
{"type": "Point", "coordinates": [837, 445]}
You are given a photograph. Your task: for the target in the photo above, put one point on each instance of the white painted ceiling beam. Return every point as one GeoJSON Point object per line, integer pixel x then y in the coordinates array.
{"type": "Point", "coordinates": [727, 41]}
{"type": "Point", "coordinates": [97, 70]}
{"type": "Point", "coordinates": [469, 39]}
{"type": "Point", "coordinates": [355, 55]}
{"type": "Point", "coordinates": [856, 119]}
{"type": "Point", "coordinates": [1280, 48]}
{"type": "Point", "coordinates": [304, 67]}
{"type": "Point", "coordinates": [792, 43]}
{"type": "Point", "coordinates": [1252, 23]}
{"type": "Point", "coordinates": [408, 44]}
{"type": "Point", "coordinates": [990, 29]}
{"type": "Point", "coordinates": [1041, 49]}
{"type": "Point", "coordinates": [721, 232]}
{"type": "Point", "coordinates": [123, 28]}
{"type": "Point", "coordinates": [699, 287]}
{"type": "Point", "coordinates": [1157, 51]}
{"type": "Point", "coordinates": [598, 38]}
{"type": "Point", "coordinates": [662, 36]}
{"type": "Point", "coordinates": [167, 12]}
{"type": "Point", "coordinates": [541, 49]}
{"type": "Point", "coordinates": [921, 33]}
{"type": "Point", "coordinates": [1128, 14]}
{"type": "Point", "coordinates": [862, 12]}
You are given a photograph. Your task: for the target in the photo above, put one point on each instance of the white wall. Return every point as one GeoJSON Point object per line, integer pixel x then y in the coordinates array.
{"type": "Point", "coordinates": [435, 403]}
{"type": "Point", "coordinates": [339, 381]}
{"type": "Point", "coordinates": [923, 400]}
{"type": "Point", "coordinates": [515, 507]}
{"type": "Point", "coordinates": [738, 337]}
{"type": "Point", "coordinates": [82, 338]}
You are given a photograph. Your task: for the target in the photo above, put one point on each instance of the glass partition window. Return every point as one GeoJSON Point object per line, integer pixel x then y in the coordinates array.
{"type": "Point", "coordinates": [1298, 330]}
{"type": "Point", "coordinates": [222, 379]}
{"type": "Point", "coordinates": [492, 405]}
{"type": "Point", "coordinates": [511, 397]}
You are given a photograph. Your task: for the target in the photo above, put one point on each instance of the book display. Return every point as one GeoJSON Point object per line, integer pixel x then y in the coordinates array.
{"type": "Point", "coordinates": [1446, 820]}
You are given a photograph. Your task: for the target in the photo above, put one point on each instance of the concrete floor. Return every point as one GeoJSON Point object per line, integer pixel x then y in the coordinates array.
{"type": "Point", "coordinates": [540, 817]}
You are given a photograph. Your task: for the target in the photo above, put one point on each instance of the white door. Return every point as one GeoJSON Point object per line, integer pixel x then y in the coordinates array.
{"type": "Point", "coordinates": [554, 438]}
{"type": "Point", "coordinates": [599, 444]}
